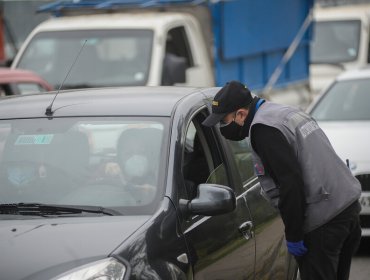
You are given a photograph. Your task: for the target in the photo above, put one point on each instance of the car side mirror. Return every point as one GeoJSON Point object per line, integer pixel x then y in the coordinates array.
{"type": "Point", "coordinates": [174, 70]}
{"type": "Point", "coordinates": [211, 200]}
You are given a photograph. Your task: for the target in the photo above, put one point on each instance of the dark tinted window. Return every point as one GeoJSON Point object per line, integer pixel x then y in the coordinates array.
{"type": "Point", "coordinates": [177, 44]}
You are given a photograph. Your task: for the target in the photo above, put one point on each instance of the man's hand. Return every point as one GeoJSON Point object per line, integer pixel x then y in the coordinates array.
{"type": "Point", "coordinates": [297, 249]}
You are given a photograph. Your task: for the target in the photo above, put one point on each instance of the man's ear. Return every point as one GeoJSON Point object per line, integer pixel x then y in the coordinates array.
{"type": "Point", "coordinates": [242, 113]}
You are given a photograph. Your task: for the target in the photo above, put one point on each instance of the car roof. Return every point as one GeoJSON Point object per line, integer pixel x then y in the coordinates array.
{"type": "Point", "coordinates": [115, 101]}
{"type": "Point", "coordinates": [353, 74]}
{"type": "Point", "coordinates": [8, 75]}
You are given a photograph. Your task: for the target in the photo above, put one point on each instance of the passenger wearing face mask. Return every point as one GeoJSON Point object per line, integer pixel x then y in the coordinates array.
{"type": "Point", "coordinates": [301, 175]}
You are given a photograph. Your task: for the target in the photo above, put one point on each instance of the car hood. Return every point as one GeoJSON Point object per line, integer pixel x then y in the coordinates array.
{"type": "Point", "coordinates": [42, 248]}
{"type": "Point", "coordinates": [351, 141]}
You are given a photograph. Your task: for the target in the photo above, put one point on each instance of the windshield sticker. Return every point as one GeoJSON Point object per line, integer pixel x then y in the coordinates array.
{"type": "Point", "coordinates": [43, 139]}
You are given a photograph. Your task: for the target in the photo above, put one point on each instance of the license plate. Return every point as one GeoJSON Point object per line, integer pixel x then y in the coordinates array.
{"type": "Point", "coordinates": [365, 203]}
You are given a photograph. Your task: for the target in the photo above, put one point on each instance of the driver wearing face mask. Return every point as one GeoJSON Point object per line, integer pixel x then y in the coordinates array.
{"type": "Point", "coordinates": [134, 167]}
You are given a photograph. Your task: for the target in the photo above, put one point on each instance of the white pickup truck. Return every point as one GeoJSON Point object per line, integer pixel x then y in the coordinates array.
{"type": "Point", "coordinates": [119, 50]}
{"type": "Point", "coordinates": [340, 42]}
{"type": "Point", "coordinates": [122, 43]}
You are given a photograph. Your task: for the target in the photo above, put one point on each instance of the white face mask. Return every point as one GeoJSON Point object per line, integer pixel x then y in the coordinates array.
{"type": "Point", "coordinates": [136, 166]}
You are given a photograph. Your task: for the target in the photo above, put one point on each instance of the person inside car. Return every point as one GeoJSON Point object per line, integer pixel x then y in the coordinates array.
{"type": "Point", "coordinates": [138, 151]}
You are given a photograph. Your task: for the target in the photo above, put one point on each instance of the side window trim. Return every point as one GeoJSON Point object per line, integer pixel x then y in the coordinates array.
{"type": "Point", "coordinates": [204, 144]}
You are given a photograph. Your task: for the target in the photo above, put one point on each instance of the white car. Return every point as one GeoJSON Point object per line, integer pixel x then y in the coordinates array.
{"type": "Point", "coordinates": [343, 112]}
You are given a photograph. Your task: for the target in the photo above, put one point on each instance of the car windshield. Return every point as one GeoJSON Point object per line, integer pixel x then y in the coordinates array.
{"type": "Point", "coordinates": [345, 100]}
{"type": "Point", "coordinates": [107, 57]}
{"type": "Point", "coordinates": [115, 163]}
{"type": "Point", "coordinates": [335, 41]}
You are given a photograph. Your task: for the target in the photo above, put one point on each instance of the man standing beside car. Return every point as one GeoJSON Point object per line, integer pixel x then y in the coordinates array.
{"type": "Point", "coordinates": [301, 175]}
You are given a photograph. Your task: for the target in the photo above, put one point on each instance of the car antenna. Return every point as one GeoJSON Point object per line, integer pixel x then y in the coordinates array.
{"type": "Point", "coordinates": [49, 112]}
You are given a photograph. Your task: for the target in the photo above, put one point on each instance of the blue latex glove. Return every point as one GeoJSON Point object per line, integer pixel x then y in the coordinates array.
{"type": "Point", "coordinates": [296, 248]}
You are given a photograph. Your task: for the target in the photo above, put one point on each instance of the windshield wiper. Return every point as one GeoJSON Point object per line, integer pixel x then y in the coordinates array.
{"type": "Point", "coordinates": [52, 209]}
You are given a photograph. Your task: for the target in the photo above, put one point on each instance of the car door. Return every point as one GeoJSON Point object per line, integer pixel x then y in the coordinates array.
{"type": "Point", "coordinates": [221, 247]}
{"type": "Point", "coordinates": [272, 259]}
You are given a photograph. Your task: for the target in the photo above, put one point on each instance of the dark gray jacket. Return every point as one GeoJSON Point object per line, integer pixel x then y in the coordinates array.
{"type": "Point", "coordinates": [329, 185]}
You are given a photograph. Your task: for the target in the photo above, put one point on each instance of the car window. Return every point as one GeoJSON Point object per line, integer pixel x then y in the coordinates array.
{"type": "Point", "coordinates": [345, 100]}
{"type": "Point", "coordinates": [201, 160]}
{"type": "Point", "coordinates": [243, 158]}
{"type": "Point", "coordinates": [218, 176]}
{"type": "Point", "coordinates": [28, 88]}
{"type": "Point", "coordinates": [177, 44]}
{"type": "Point", "coordinates": [108, 162]}
{"type": "Point", "coordinates": [335, 41]}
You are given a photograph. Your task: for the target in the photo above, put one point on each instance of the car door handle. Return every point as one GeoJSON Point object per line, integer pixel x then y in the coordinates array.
{"type": "Point", "coordinates": [246, 229]}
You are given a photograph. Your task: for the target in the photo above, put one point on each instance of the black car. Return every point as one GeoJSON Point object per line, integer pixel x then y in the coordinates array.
{"type": "Point", "coordinates": [125, 183]}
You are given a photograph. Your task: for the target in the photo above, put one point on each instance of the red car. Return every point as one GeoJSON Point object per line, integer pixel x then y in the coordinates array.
{"type": "Point", "coordinates": [17, 81]}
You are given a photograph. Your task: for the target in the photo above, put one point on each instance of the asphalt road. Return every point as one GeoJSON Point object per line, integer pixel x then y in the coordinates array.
{"type": "Point", "coordinates": [360, 269]}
